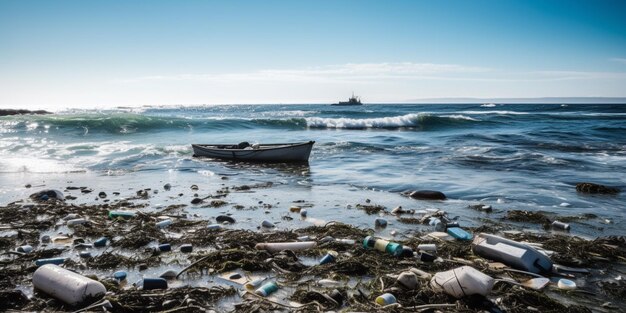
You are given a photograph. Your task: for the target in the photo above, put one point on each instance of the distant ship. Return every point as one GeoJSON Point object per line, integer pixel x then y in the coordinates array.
{"type": "Point", "coordinates": [352, 101]}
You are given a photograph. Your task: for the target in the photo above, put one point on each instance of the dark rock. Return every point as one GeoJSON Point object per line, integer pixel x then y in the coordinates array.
{"type": "Point", "coordinates": [235, 276]}
{"type": "Point", "coordinates": [44, 195]}
{"type": "Point", "coordinates": [167, 186]}
{"type": "Point", "coordinates": [102, 194]}
{"type": "Point", "coordinates": [196, 201]}
{"type": "Point", "coordinates": [194, 187]}
{"type": "Point", "coordinates": [28, 185]}
{"type": "Point", "coordinates": [116, 193]}
{"type": "Point", "coordinates": [427, 195]}
{"type": "Point", "coordinates": [86, 190]}
{"type": "Point", "coordinates": [595, 188]}
{"type": "Point", "coordinates": [225, 218]}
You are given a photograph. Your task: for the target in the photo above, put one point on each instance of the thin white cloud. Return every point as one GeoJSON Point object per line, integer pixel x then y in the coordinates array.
{"type": "Point", "coordinates": [619, 60]}
{"type": "Point", "coordinates": [578, 75]}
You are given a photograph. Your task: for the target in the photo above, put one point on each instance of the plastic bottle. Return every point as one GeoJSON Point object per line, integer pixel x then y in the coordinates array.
{"type": "Point", "coordinates": [267, 289]}
{"type": "Point", "coordinates": [101, 242]}
{"type": "Point", "coordinates": [252, 285]}
{"type": "Point", "coordinates": [386, 299]}
{"type": "Point", "coordinates": [392, 248]}
{"type": "Point", "coordinates": [430, 247]}
{"type": "Point", "coordinates": [25, 248]}
{"type": "Point", "coordinates": [462, 281]}
{"type": "Point", "coordinates": [560, 225]}
{"type": "Point", "coordinates": [67, 286]}
{"type": "Point", "coordinates": [280, 246]}
{"type": "Point", "coordinates": [329, 257]}
{"type": "Point", "coordinates": [511, 253]}
{"type": "Point", "coordinates": [164, 223]}
{"type": "Point", "coordinates": [55, 261]}
{"type": "Point", "coordinates": [438, 225]}
{"type": "Point", "coordinates": [121, 214]}
{"type": "Point", "coordinates": [76, 221]}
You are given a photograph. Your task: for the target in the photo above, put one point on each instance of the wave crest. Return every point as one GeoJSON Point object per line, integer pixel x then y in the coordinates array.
{"type": "Point", "coordinates": [413, 120]}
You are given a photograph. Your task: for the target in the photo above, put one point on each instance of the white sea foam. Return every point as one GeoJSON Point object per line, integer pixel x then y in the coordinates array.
{"type": "Point", "coordinates": [488, 105]}
{"type": "Point", "coordinates": [460, 117]}
{"type": "Point", "coordinates": [500, 112]}
{"type": "Point", "coordinates": [408, 120]}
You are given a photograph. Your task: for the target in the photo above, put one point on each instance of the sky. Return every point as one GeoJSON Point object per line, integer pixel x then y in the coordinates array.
{"type": "Point", "coordinates": [66, 54]}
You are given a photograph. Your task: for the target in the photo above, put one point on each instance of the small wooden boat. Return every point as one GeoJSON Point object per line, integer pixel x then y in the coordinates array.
{"type": "Point", "coordinates": [275, 152]}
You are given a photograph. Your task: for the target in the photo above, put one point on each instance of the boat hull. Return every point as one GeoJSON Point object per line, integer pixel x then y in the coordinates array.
{"type": "Point", "coordinates": [291, 152]}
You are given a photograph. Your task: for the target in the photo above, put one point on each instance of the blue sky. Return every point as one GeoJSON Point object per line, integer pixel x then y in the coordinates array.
{"type": "Point", "coordinates": [89, 53]}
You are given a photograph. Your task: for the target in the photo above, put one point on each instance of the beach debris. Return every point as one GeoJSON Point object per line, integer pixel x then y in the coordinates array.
{"type": "Point", "coordinates": [427, 247]}
{"type": "Point", "coordinates": [329, 283]}
{"type": "Point", "coordinates": [44, 195]}
{"type": "Point", "coordinates": [459, 234]}
{"type": "Point", "coordinates": [595, 188]}
{"type": "Point", "coordinates": [164, 223]}
{"type": "Point", "coordinates": [76, 221]}
{"type": "Point", "coordinates": [280, 246]}
{"type": "Point", "coordinates": [45, 239]}
{"type": "Point", "coordinates": [70, 216]}
{"type": "Point", "coordinates": [165, 247]}
{"type": "Point", "coordinates": [399, 210]}
{"type": "Point", "coordinates": [196, 201]}
{"type": "Point", "coordinates": [214, 227]}
{"type": "Point", "coordinates": [55, 261]}
{"type": "Point", "coordinates": [295, 209]}
{"type": "Point", "coordinates": [329, 257]}
{"type": "Point", "coordinates": [225, 219]}
{"type": "Point", "coordinates": [382, 245]}
{"type": "Point", "coordinates": [267, 224]}
{"type": "Point", "coordinates": [153, 283]}
{"type": "Point", "coordinates": [462, 281]}
{"type": "Point", "coordinates": [437, 224]}
{"type": "Point", "coordinates": [84, 255]}
{"type": "Point", "coordinates": [194, 187]}
{"type": "Point", "coordinates": [380, 222]}
{"type": "Point", "coordinates": [67, 286]}
{"type": "Point", "coordinates": [186, 248]}
{"type": "Point", "coordinates": [566, 284]}
{"type": "Point", "coordinates": [267, 289]}
{"type": "Point", "coordinates": [346, 241]}
{"type": "Point", "coordinates": [560, 226]}
{"type": "Point", "coordinates": [121, 214]}
{"type": "Point", "coordinates": [427, 195]}
{"type": "Point", "coordinates": [408, 280]}
{"type": "Point", "coordinates": [303, 212]}
{"type": "Point", "coordinates": [167, 186]}
{"type": "Point", "coordinates": [120, 275]}
{"type": "Point", "coordinates": [386, 299]}
{"type": "Point", "coordinates": [254, 284]}
{"type": "Point", "coordinates": [511, 253]}
{"type": "Point", "coordinates": [426, 257]}
{"type": "Point", "coordinates": [100, 242]}
{"type": "Point", "coordinates": [25, 249]}
{"type": "Point", "coordinates": [421, 274]}
{"type": "Point", "coordinates": [102, 194]}
{"type": "Point", "coordinates": [337, 296]}
{"type": "Point", "coordinates": [440, 236]}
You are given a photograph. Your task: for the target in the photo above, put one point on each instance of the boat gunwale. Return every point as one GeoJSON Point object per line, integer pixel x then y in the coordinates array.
{"type": "Point", "coordinates": [261, 148]}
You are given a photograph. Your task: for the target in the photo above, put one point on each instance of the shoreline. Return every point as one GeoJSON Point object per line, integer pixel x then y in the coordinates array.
{"type": "Point", "coordinates": [359, 271]}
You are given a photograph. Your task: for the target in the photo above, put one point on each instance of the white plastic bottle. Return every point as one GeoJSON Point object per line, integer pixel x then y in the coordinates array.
{"type": "Point", "coordinates": [67, 286]}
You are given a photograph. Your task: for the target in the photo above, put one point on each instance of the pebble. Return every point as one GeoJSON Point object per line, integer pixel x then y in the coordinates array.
{"type": "Point", "coordinates": [101, 242]}
{"type": "Point", "coordinates": [267, 224]}
{"type": "Point", "coordinates": [380, 222]}
{"type": "Point", "coordinates": [102, 194]}
{"type": "Point", "coordinates": [45, 239]}
{"type": "Point", "coordinates": [303, 212]}
{"type": "Point", "coordinates": [142, 266]}
{"type": "Point", "coordinates": [408, 280]}
{"type": "Point", "coordinates": [167, 186]}
{"type": "Point", "coordinates": [196, 201]}
{"type": "Point", "coordinates": [225, 219]}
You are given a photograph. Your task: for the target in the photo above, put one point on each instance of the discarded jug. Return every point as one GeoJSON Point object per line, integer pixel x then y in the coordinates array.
{"type": "Point", "coordinates": [267, 289]}
{"type": "Point", "coordinates": [462, 281]}
{"type": "Point", "coordinates": [67, 286]}
{"type": "Point", "coordinates": [386, 299]}
{"type": "Point", "coordinates": [511, 253]}
{"type": "Point", "coordinates": [392, 248]}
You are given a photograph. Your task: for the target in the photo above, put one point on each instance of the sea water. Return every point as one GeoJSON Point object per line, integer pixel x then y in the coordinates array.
{"type": "Point", "coordinates": [509, 156]}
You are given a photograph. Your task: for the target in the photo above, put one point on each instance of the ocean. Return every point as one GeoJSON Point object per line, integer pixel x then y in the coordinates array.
{"type": "Point", "coordinates": [510, 156]}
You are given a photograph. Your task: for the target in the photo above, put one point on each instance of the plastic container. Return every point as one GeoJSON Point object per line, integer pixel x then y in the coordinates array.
{"type": "Point", "coordinates": [267, 289]}
{"type": "Point", "coordinates": [119, 275]}
{"type": "Point", "coordinates": [25, 249]}
{"type": "Point", "coordinates": [437, 224]}
{"type": "Point", "coordinates": [462, 281]}
{"type": "Point", "coordinates": [429, 247]}
{"type": "Point", "coordinates": [55, 261]}
{"type": "Point", "coordinates": [427, 257]}
{"type": "Point", "coordinates": [76, 221]}
{"type": "Point", "coordinates": [165, 247]}
{"type": "Point", "coordinates": [459, 233]}
{"type": "Point", "coordinates": [280, 246]}
{"type": "Point", "coordinates": [163, 223]}
{"type": "Point", "coordinates": [101, 242]}
{"type": "Point", "coordinates": [154, 283]}
{"type": "Point", "coordinates": [386, 299]}
{"type": "Point", "coordinates": [214, 227]}
{"type": "Point", "coordinates": [392, 248]}
{"type": "Point", "coordinates": [566, 284]}
{"type": "Point", "coordinates": [408, 280]}
{"type": "Point", "coordinates": [511, 253]}
{"type": "Point", "coordinates": [252, 285]}
{"type": "Point", "coordinates": [329, 257]}
{"type": "Point", "coordinates": [121, 214]}
{"type": "Point", "coordinates": [186, 248]}
{"type": "Point", "coordinates": [560, 225]}
{"type": "Point", "coordinates": [67, 286]}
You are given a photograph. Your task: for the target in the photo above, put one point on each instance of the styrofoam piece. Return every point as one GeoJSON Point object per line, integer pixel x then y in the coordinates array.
{"type": "Point", "coordinates": [462, 281]}
{"type": "Point", "coordinates": [280, 246]}
{"type": "Point", "coordinates": [67, 286]}
{"type": "Point", "coordinates": [511, 253]}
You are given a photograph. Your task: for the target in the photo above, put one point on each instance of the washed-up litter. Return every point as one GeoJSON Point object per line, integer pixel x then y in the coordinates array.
{"type": "Point", "coordinates": [55, 261]}
{"type": "Point", "coordinates": [169, 274]}
{"type": "Point", "coordinates": [186, 248]}
{"type": "Point", "coordinates": [430, 247]}
{"type": "Point", "coordinates": [214, 226]}
{"type": "Point", "coordinates": [153, 283]}
{"type": "Point", "coordinates": [25, 249]}
{"type": "Point", "coordinates": [462, 281]}
{"type": "Point", "coordinates": [267, 289]}
{"type": "Point", "coordinates": [100, 242]}
{"type": "Point", "coordinates": [164, 247]}
{"type": "Point", "coordinates": [459, 233]}
{"type": "Point", "coordinates": [67, 286]}
{"type": "Point", "coordinates": [408, 280]}
{"type": "Point", "coordinates": [392, 248]}
{"type": "Point", "coordinates": [386, 299]}
{"type": "Point", "coordinates": [329, 257]}
{"type": "Point", "coordinates": [121, 214]}
{"type": "Point", "coordinates": [119, 275]}
{"type": "Point", "coordinates": [163, 223]}
{"type": "Point", "coordinates": [254, 284]}
{"type": "Point", "coordinates": [560, 225]}
{"type": "Point", "coordinates": [267, 224]}
{"type": "Point", "coordinates": [566, 284]}
{"type": "Point", "coordinates": [295, 209]}
{"type": "Point", "coordinates": [76, 221]}
{"type": "Point", "coordinates": [280, 246]}
{"type": "Point", "coordinates": [437, 224]}
{"type": "Point", "coordinates": [512, 253]}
